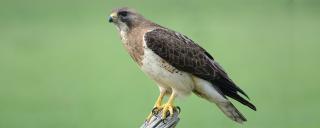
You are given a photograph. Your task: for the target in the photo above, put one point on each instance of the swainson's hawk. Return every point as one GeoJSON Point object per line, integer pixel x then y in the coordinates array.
{"type": "Point", "coordinates": [177, 64]}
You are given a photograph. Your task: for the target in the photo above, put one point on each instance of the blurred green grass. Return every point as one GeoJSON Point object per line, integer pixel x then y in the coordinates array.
{"type": "Point", "coordinates": [62, 65]}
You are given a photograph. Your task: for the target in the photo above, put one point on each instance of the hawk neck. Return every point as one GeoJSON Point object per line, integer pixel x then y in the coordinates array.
{"type": "Point", "coordinates": [133, 42]}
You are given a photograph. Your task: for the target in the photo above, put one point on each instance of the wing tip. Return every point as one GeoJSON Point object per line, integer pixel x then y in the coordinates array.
{"type": "Point", "coordinates": [250, 105]}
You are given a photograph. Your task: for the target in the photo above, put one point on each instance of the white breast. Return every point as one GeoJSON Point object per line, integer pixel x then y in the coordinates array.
{"type": "Point", "coordinates": [166, 76]}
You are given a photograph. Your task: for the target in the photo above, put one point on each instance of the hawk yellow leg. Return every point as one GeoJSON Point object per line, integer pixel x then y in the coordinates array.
{"type": "Point", "coordinates": [168, 107]}
{"type": "Point", "coordinates": [157, 106]}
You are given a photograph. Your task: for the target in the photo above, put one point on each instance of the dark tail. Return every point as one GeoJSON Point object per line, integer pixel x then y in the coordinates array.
{"type": "Point", "coordinates": [229, 89]}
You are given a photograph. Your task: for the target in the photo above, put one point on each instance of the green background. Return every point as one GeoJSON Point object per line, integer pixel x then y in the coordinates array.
{"type": "Point", "coordinates": [62, 65]}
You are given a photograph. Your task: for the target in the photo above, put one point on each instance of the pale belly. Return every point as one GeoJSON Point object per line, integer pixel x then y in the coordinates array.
{"type": "Point", "coordinates": [165, 75]}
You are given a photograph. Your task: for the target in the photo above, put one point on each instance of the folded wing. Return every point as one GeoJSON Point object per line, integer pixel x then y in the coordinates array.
{"type": "Point", "coordinates": [182, 53]}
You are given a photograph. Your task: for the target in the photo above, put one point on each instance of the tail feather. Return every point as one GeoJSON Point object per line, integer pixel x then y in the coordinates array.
{"type": "Point", "coordinates": [231, 111]}
{"type": "Point", "coordinates": [230, 89]}
{"type": "Point", "coordinates": [242, 100]}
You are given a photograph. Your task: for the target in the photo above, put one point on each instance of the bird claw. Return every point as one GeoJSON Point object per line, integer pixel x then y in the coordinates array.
{"type": "Point", "coordinates": [163, 121]}
{"type": "Point", "coordinates": [156, 110]}
{"type": "Point", "coordinates": [169, 112]}
{"type": "Point", "coordinates": [178, 109]}
{"type": "Point", "coordinates": [167, 108]}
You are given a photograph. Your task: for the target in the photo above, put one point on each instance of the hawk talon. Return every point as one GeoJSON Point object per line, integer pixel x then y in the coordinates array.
{"type": "Point", "coordinates": [163, 121]}
{"type": "Point", "coordinates": [178, 108]}
{"type": "Point", "coordinates": [156, 110]}
{"type": "Point", "coordinates": [167, 114]}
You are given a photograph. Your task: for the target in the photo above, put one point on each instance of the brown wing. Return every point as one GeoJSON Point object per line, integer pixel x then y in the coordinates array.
{"type": "Point", "coordinates": [185, 55]}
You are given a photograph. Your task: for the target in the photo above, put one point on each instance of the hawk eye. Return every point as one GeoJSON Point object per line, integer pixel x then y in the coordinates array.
{"type": "Point", "coordinates": [123, 13]}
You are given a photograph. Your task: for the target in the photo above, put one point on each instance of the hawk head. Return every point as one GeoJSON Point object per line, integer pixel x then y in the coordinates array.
{"type": "Point", "coordinates": [125, 18]}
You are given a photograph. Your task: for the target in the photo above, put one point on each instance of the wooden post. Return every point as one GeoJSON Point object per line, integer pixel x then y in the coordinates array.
{"type": "Point", "coordinates": [157, 122]}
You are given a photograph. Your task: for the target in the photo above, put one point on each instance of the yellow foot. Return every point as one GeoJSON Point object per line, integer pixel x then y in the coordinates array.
{"type": "Point", "coordinates": [167, 108]}
{"type": "Point", "coordinates": [154, 111]}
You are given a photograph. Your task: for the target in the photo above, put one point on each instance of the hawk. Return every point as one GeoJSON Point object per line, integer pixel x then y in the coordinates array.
{"type": "Point", "coordinates": [177, 64]}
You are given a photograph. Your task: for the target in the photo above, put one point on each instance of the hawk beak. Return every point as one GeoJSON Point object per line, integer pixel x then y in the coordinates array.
{"type": "Point", "coordinates": [112, 17]}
